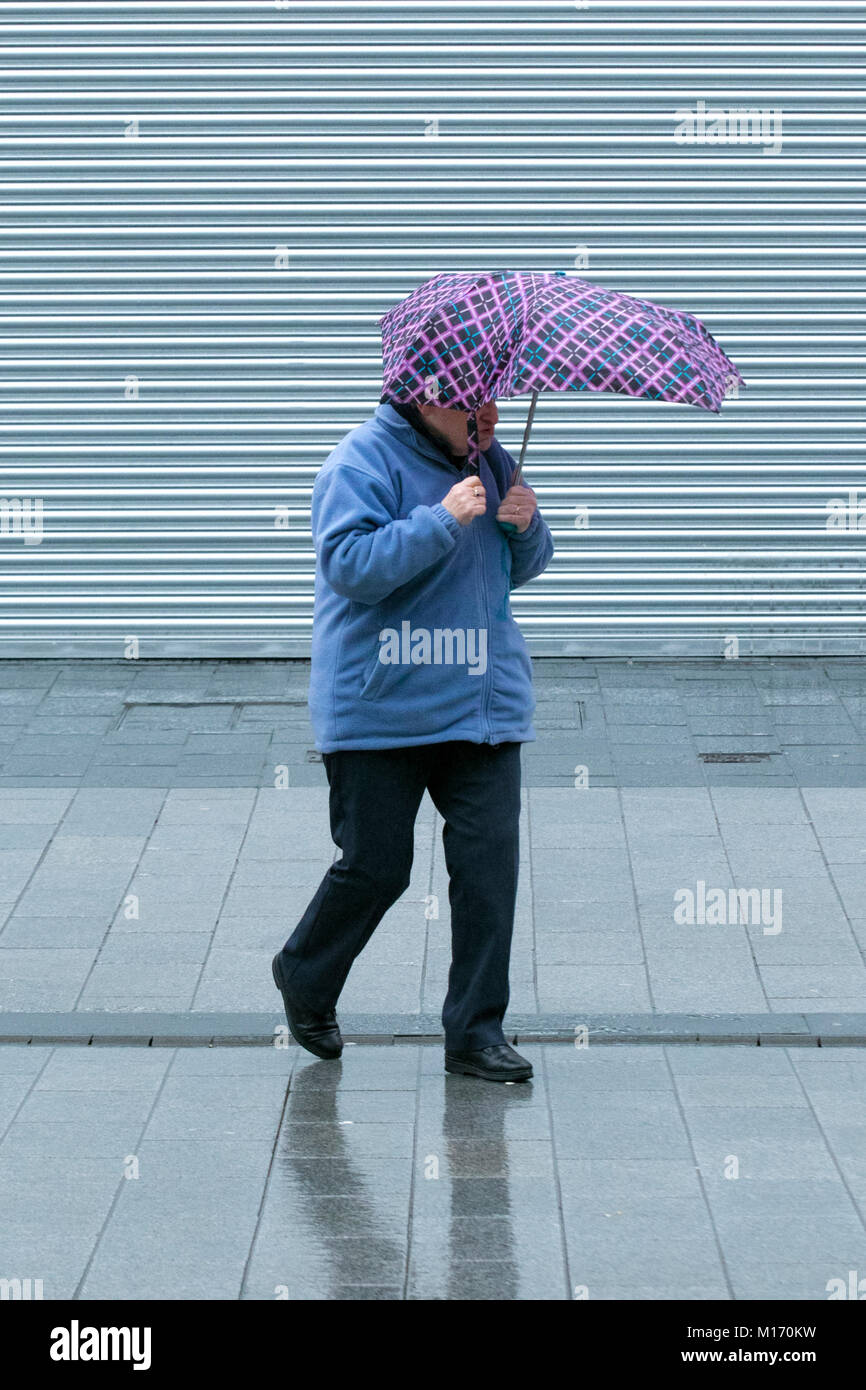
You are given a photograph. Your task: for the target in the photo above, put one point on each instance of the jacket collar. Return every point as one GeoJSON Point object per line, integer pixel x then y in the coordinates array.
{"type": "Point", "coordinates": [395, 424]}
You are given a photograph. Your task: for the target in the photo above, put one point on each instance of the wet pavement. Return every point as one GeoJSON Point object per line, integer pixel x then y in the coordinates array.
{"type": "Point", "coordinates": [621, 1172]}
{"type": "Point", "coordinates": [162, 827]}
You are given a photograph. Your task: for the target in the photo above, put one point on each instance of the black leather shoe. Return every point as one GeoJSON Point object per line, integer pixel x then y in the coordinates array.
{"type": "Point", "coordinates": [496, 1063]}
{"type": "Point", "coordinates": [317, 1032]}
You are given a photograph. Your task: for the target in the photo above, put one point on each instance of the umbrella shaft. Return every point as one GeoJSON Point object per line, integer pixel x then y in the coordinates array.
{"type": "Point", "coordinates": [526, 433]}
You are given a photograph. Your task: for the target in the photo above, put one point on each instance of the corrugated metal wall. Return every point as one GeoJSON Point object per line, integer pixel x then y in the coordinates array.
{"type": "Point", "coordinates": [206, 207]}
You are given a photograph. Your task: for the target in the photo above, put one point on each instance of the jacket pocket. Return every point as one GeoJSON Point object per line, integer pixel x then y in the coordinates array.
{"type": "Point", "coordinates": [374, 678]}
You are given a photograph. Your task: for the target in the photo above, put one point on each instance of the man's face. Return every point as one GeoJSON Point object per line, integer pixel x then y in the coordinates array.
{"type": "Point", "coordinates": [452, 425]}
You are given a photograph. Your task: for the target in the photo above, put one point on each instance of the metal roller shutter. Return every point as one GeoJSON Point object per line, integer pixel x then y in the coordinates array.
{"type": "Point", "coordinates": [207, 206]}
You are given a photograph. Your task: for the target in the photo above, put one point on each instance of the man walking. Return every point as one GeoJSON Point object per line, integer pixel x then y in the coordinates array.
{"type": "Point", "coordinates": [420, 681]}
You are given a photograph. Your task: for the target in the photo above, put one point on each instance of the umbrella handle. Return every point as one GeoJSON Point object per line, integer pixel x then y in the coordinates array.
{"type": "Point", "coordinates": [474, 454]}
{"type": "Point", "coordinates": [518, 472]}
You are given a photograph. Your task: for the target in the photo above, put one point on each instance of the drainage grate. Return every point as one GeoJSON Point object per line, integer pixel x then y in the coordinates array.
{"type": "Point", "coordinates": [207, 702]}
{"type": "Point", "coordinates": [735, 757]}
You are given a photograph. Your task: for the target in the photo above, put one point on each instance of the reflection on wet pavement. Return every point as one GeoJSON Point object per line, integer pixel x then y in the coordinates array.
{"type": "Point", "coordinates": [629, 1171]}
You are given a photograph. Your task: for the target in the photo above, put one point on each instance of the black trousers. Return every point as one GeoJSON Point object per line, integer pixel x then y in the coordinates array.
{"type": "Point", "coordinates": [374, 801]}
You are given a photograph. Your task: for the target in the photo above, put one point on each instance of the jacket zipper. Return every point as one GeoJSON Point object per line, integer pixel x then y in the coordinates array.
{"type": "Point", "coordinates": [484, 595]}
{"type": "Point", "coordinates": [487, 677]}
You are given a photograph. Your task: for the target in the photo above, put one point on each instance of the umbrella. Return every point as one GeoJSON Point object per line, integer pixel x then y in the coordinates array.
{"type": "Point", "coordinates": [461, 340]}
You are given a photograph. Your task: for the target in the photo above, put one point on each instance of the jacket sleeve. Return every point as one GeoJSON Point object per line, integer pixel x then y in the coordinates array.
{"type": "Point", "coordinates": [365, 550]}
{"type": "Point", "coordinates": [531, 550]}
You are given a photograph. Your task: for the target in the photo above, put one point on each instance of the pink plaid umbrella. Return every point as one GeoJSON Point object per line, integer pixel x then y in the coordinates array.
{"type": "Point", "coordinates": [462, 340]}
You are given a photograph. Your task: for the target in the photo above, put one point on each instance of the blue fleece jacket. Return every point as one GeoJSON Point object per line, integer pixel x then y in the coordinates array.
{"type": "Point", "coordinates": [413, 637]}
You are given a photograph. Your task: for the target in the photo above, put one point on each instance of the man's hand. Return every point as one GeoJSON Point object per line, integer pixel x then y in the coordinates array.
{"type": "Point", "coordinates": [466, 500]}
{"type": "Point", "coordinates": [518, 506]}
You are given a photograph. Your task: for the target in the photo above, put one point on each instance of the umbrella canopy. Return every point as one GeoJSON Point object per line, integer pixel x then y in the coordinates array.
{"type": "Point", "coordinates": [462, 340]}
